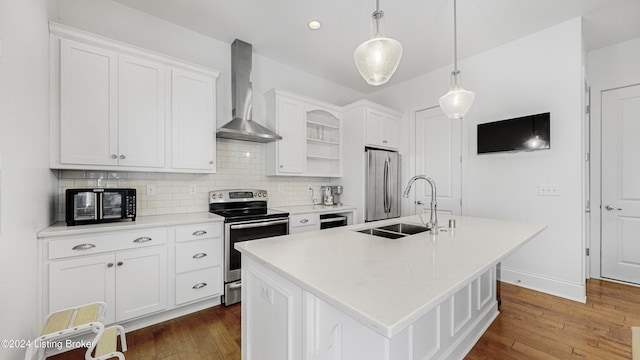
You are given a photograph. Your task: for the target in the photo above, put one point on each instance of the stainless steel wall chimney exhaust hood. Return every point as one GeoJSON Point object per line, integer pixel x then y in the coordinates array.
{"type": "Point", "coordinates": [242, 127]}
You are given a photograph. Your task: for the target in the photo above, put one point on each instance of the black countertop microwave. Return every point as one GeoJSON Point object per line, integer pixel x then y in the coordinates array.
{"type": "Point", "coordinates": [92, 206]}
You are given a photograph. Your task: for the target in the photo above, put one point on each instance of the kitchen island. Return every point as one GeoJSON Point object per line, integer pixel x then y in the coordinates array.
{"type": "Point", "coordinates": [344, 294]}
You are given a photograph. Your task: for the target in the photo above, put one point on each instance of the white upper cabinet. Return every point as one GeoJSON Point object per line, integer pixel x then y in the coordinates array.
{"type": "Point", "coordinates": [311, 136]}
{"type": "Point", "coordinates": [286, 116]}
{"type": "Point", "coordinates": [383, 128]}
{"type": "Point", "coordinates": [117, 107]}
{"type": "Point", "coordinates": [88, 104]}
{"type": "Point", "coordinates": [141, 112]}
{"type": "Point", "coordinates": [193, 121]}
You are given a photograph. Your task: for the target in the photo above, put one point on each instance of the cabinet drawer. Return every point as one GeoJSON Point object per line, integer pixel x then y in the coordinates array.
{"type": "Point", "coordinates": [199, 254]}
{"type": "Point", "coordinates": [299, 220]}
{"type": "Point", "coordinates": [198, 231]}
{"type": "Point", "coordinates": [198, 284]}
{"type": "Point", "coordinates": [86, 245]}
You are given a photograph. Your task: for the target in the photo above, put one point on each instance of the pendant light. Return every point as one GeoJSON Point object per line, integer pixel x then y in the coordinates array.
{"type": "Point", "coordinates": [457, 101]}
{"type": "Point", "coordinates": [377, 58]}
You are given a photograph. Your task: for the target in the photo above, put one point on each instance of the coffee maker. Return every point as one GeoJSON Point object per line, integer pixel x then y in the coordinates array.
{"type": "Point", "coordinates": [337, 191]}
{"type": "Point", "coordinates": [327, 195]}
{"type": "Point", "coordinates": [331, 195]}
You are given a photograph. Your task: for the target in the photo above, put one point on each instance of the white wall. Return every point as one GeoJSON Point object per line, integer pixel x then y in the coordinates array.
{"type": "Point", "coordinates": [607, 68]}
{"type": "Point", "coordinates": [26, 183]}
{"type": "Point", "coordinates": [538, 73]}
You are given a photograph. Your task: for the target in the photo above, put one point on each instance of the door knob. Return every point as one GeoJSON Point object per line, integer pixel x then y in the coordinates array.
{"type": "Point", "coordinates": [611, 208]}
{"type": "Point", "coordinates": [419, 202]}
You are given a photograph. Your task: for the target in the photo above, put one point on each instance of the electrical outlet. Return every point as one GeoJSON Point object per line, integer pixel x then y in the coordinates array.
{"type": "Point", "coordinates": [549, 190]}
{"type": "Point", "coordinates": [280, 187]}
{"type": "Point", "coordinates": [193, 189]}
{"type": "Point", "coordinates": [267, 293]}
{"type": "Point", "coordinates": [151, 190]}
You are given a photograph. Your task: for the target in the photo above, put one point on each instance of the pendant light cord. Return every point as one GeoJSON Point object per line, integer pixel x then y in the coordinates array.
{"type": "Point", "coordinates": [455, 39]}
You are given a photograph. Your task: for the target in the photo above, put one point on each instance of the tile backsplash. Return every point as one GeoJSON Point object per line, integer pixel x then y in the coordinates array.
{"type": "Point", "coordinates": [241, 164]}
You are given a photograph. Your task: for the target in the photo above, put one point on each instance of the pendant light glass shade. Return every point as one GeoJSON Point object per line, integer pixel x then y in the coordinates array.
{"type": "Point", "coordinates": [377, 58]}
{"type": "Point", "coordinates": [457, 101]}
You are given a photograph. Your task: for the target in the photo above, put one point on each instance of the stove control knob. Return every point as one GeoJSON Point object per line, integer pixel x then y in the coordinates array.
{"type": "Point", "coordinates": [220, 196]}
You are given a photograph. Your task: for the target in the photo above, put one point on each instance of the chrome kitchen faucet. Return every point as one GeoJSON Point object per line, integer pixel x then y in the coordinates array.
{"type": "Point", "coordinates": [432, 225]}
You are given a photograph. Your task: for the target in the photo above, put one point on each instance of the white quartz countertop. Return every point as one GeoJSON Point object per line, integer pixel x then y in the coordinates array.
{"type": "Point", "coordinates": [389, 284]}
{"type": "Point", "coordinates": [141, 222]}
{"type": "Point", "coordinates": [305, 209]}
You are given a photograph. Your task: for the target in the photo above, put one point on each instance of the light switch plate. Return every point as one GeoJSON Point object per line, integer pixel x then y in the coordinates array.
{"type": "Point", "coordinates": [549, 190]}
{"type": "Point", "coordinates": [193, 189]}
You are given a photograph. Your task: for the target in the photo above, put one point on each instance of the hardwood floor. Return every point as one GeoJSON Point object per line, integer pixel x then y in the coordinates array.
{"type": "Point", "coordinates": [531, 325]}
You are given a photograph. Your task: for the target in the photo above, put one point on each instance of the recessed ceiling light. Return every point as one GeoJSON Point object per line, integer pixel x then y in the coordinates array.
{"type": "Point", "coordinates": [314, 25]}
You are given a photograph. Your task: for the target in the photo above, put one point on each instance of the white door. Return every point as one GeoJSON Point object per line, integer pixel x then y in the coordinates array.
{"type": "Point", "coordinates": [291, 126]}
{"type": "Point", "coordinates": [141, 112]}
{"type": "Point", "coordinates": [193, 121]}
{"type": "Point", "coordinates": [88, 104]}
{"type": "Point", "coordinates": [621, 184]}
{"type": "Point", "coordinates": [141, 282]}
{"type": "Point", "coordinates": [438, 155]}
{"type": "Point", "coordinates": [83, 280]}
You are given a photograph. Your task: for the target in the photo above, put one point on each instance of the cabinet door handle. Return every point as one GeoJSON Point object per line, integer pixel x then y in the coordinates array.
{"type": "Point", "coordinates": [83, 247]}
{"type": "Point", "coordinates": [199, 233]}
{"type": "Point", "coordinates": [114, 156]}
{"type": "Point", "coordinates": [120, 263]}
{"type": "Point", "coordinates": [304, 221]}
{"type": "Point", "coordinates": [109, 265]}
{"type": "Point", "coordinates": [199, 286]}
{"type": "Point", "coordinates": [142, 239]}
{"type": "Point", "coordinates": [211, 162]}
{"type": "Point", "coordinates": [122, 157]}
{"type": "Point", "coordinates": [199, 255]}
{"type": "Point", "coordinates": [384, 141]}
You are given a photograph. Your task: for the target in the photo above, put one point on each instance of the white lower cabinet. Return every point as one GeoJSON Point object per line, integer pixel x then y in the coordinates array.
{"type": "Point", "coordinates": [133, 283]}
{"type": "Point", "coordinates": [198, 262]}
{"type": "Point", "coordinates": [135, 272]}
{"type": "Point", "coordinates": [281, 320]}
{"type": "Point", "coordinates": [304, 222]}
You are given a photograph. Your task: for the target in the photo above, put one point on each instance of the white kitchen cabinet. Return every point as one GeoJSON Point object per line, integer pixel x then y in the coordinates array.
{"type": "Point", "coordinates": [141, 112]}
{"type": "Point", "coordinates": [112, 107]}
{"type": "Point", "coordinates": [133, 283]}
{"type": "Point", "coordinates": [193, 121]}
{"type": "Point", "coordinates": [285, 115]}
{"type": "Point", "coordinates": [198, 262]}
{"type": "Point", "coordinates": [141, 282]}
{"type": "Point", "coordinates": [383, 129]}
{"type": "Point", "coordinates": [88, 104]}
{"type": "Point", "coordinates": [311, 133]}
{"type": "Point", "coordinates": [304, 222]}
{"type": "Point", "coordinates": [272, 317]}
{"type": "Point", "coordinates": [118, 107]}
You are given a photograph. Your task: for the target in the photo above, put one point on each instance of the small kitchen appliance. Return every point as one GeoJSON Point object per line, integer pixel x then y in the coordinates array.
{"type": "Point", "coordinates": [337, 191]}
{"type": "Point", "coordinates": [246, 217]}
{"type": "Point", "coordinates": [327, 195]}
{"type": "Point", "coordinates": [92, 206]}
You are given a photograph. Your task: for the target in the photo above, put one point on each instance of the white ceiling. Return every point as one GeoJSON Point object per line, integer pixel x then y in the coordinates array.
{"type": "Point", "coordinates": [278, 28]}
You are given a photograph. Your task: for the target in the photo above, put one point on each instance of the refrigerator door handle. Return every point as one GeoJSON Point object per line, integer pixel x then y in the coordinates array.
{"type": "Point", "coordinates": [387, 207]}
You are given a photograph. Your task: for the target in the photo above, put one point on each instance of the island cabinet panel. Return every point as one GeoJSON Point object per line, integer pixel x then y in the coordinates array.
{"type": "Point", "coordinates": [283, 321]}
{"type": "Point", "coordinates": [272, 308]}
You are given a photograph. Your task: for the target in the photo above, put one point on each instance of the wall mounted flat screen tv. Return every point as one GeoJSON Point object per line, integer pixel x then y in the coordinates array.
{"type": "Point", "coordinates": [524, 133]}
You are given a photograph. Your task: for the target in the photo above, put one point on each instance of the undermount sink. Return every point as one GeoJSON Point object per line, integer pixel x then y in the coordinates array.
{"type": "Point", "coordinates": [394, 231]}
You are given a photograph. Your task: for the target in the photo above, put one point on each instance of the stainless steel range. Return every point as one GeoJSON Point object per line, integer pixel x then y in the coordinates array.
{"type": "Point", "coordinates": [246, 217]}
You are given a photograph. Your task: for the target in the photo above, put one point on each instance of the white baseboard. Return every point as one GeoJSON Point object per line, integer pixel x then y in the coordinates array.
{"type": "Point", "coordinates": [567, 290]}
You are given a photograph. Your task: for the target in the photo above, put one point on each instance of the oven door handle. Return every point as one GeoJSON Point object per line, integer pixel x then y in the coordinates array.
{"type": "Point", "coordinates": [258, 224]}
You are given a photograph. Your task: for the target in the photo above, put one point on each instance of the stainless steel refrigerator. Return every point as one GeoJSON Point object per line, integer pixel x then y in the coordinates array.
{"type": "Point", "coordinates": [382, 181]}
